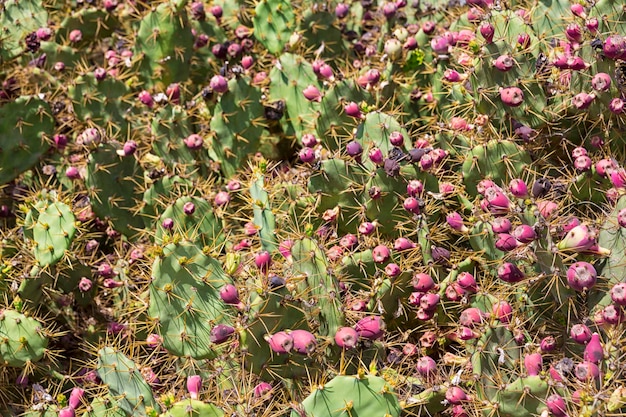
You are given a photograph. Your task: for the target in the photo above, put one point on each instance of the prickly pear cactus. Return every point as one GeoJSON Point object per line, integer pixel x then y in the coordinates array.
{"type": "Point", "coordinates": [23, 339]}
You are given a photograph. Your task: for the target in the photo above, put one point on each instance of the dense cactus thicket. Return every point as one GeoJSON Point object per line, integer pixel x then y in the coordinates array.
{"type": "Point", "coordinates": [294, 208]}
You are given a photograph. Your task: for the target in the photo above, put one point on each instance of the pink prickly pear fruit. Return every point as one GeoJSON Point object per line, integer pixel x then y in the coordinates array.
{"type": "Point", "coordinates": [612, 314]}
{"type": "Point", "coordinates": [471, 317]}
{"type": "Point", "coordinates": [455, 395]}
{"type": "Point", "coordinates": [262, 389]}
{"type": "Point", "coordinates": [614, 47]}
{"type": "Point", "coordinates": [487, 30]}
{"type": "Point", "coordinates": [533, 363]}
{"type": "Point", "coordinates": [459, 411]}
{"type": "Point", "coordinates": [455, 221]}
{"type": "Point", "coordinates": [381, 254]}
{"type": "Point", "coordinates": [281, 342]}
{"type": "Point", "coordinates": [582, 100]}
{"type": "Point", "coordinates": [578, 238]}
{"type": "Point", "coordinates": [583, 163]}
{"type": "Point", "coordinates": [307, 155]}
{"type": "Point", "coordinates": [76, 397]}
{"type": "Point", "coordinates": [263, 260]}
{"type": "Point", "coordinates": [556, 405]}
{"type": "Point", "coordinates": [424, 315]}
{"type": "Point", "coordinates": [426, 366]}
{"type": "Point", "coordinates": [312, 93]}
{"type": "Point", "coordinates": [506, 242]}
{"type": "Point", "coordinates": [547, 208]}
{"type": "Point", "coordinates": [304, 342]}
{"type": "Point", "coordinates": [618, 177]}
{"type": "Point", "coordinates": [467, 282]}
{"type": "Point", "coordinates": [346, 337]}
{"type": "Point", "coordinates": [396, 138]}
{"type": "Point", "coordinates": [392, 270]}
{"type": "Point", "coordinates": [67, 412]}
{"type": "Point", "coordinates": [592, 24]}
{"type": "Point", "coordinates": [342, 10]}
{"type": "Point", "coordinates": [509, 272]}
{"type": "Point", "coordinates": [367, 228]}
{"type": "Point", "coordinates": [429, 301]}
{"type": "Point", "coordinates": [587, 371]}
{"type": "Point", "coordinates": [524, 233]}
{"type": "Point", "coordinates": [581, 276]}
{"type": "Point", "coordinates": [504, 63]}
{"type": "Point", "coordinates": [518, 188]}
{"type": "Point", "coordinates": [555, 375]}
{"type": "Point", "coordinates": [574, 33]}
{"type": "Point", "coordinates": [371, 328]}
{"type": "Point", "coordinates": [440, 45]}
{"type": "Point", "coordinates": [578, 10]}
{"type": "Point", "coordinates": [154, 340]}
{"type": "Point", "coordinates": [402, 244]}
{"type": "Point", "coordinates": [497, 201]}
{"type": "Point", "coordinates": [484, 185]}
{"type": "Point", "coordinates": [376, 156]}
{"type": "Point", "coordinates": [352, 109]}
{"type": "Point", "coordinates": [415, 188]}
{"type": "Point", "coordinates": [412, 205]}
{"type": "Point", "coordinates": [423, 282]}
{"type": "Point", "coordinates": [247, 62]}
{"type": "Point", "coordinates": [523, 40]}
{"type": "Point", "coordinates": [618, 293]}
{"type": "Point", "coordinates": [73, 173]}
{"type": "Point", "coordinates": [194, 385]}
{"type": "Point", "coordinates": [75, 36]}
{"type": "Point", "coordinates": [501, 225]}
{"type": "Point", "coordinates": [601, 81]}
{"type": "Point", "coordinates": [194, 141]}
{"type": "Point", "coordinates": [512, 96]}
{"type": "Point", "coordinates": [503, 311]}
{"type": "Point", "coordinates": [429, 27]}
{"type": "Point", "coordinates": [146, 98]}
{"type": "Point", "coordinates": [452, 76]}
{"type": "Point", "coordinates": [616, 105]}
{"type": "Point", "coordinates": [547, 344]}
{"type": "Point", "coordinates": [580, 333]}
{"type": "Point", "coordinates": [593, 351]}
{"type": "Point", "coordinates": [221, 333]}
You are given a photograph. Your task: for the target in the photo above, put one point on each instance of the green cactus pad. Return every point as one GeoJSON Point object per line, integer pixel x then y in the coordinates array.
{"type": "Point", "coordinates": [185, 300]}
{"type": "Point", "coordinates": [322, 287]}
{"type": "Point", "coordinates": [114, 183]}
{"type": "Point", "coordinates": [352, 395]}
{"type": "Point", "coordinates": [238, 122]}
{"type": "Point", "coordinates": [193, 408]}
{"type": "Point", "coordinates": [202, 226]}
{"type": "Point", "coordinates": [23, 126]}
{"type": "Point", "coordinates": [524, 397]}
{"type": "Point", "coordinates": [375, 131]}
{"type": "Point", "coordinates": [264, 218]}
{"type": "Point", "coordinates": [104, 407]}
{"type": "Point", "coordinates": [94, 23]}
{"type": "Point", "coordinates": [53, 230]}
{"type": "Point", "coordinates": [274, 23]}
{"type": "Point", "coordinates": [18, 19]}
{"type": "Point", "coordinates": [22, 339]}
{"type": "Point", "coordinates": [165, 43]}
{"type": "Point", "coordinates": [289, 77]}
{"type": "Point", "coordinates": [126, 384]}
{"type": "Point", "coordinates": [497, 160]}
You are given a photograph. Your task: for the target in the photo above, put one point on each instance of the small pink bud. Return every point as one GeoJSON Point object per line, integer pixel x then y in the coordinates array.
{"type": "Point", "coordinates": [533, 364]}
{"type": "Point", "coordinates": [616, 105]}
{"type": "Point", "coordinates": [487, 30]}
{"type": "Point", "coordinates": [601, 82]}
{"type": "Point", "coordinates": [556, 405]}
{"type": "Point", "coordinates": [396, 138]}
{"type": "Point", "coordinates": [381, 254]}
{"type": "Point", "coordinates": [366, 228]}
{"type": "Point", "coordinates": [262, 389]}
{"type": "Point", "coordinates": [429, 301]}
{"type": "Point", "coordinates": [582, 100]}
{"type": "Point", "coordinates": [592, 25]}
{"type": "Point", "coordinates": [612, 314]}
{"type": "Point", "coordinates": [618, 291]}
{"type": "Point", "coordinates": [312, 93]}
{"type": "Point", "coordinates": [392, 270]}
{"type": "Point", "coordinates": [497, 201]}
{"type": "Point", "coordinates": [307, 155]}
{"type": "Point", "coordinates": [194, 142]}
{"type": "Point", "coordinates": [501, 225]}
{"type": "Point", "coordinates": [470, 317]}
{"type": "Point", "coordinates": [219, 84]}
{"type": "Point", "coordinates": [85, 284]}
{"type": "Point", "coordinates": [426, 366]}
{"type": "Point", "coordinates": [504, 63]}
{"type": "Point", "coordinates": [574, 33]}
{"type": "Point", "coordinates": [511, 96]}
{"type": "Point", "coordinates": [518, 188]}
{"type": "Point", "coordinates": [587, 371]}
{"type": "Point", "coordinates": [194, 385]}
{"type": "Point", "coordinates": [547, 344]}
{"type": "Point", "coordinates": [153, 341]}
{"type": "Point", "coordinates": [452, 76]}
{"type": "Point", "coordinates": [146, 98]}
{"type": "Point", "coordinates": [76, 397]}
{"type": "Point", "coordinates": [455, 395]}
{"type": "Point", "coordinates": [422, 282]}
{"type": "Point", "coordinates": [506, 242]}
{"type": "Point", "coordinates": [352, 109]}
{"type": "Point", "coordinates": [510, 273]}
{"type": "Point", "coordinates": [415, 188]}
{"type": "Point", "coordinates": [263, 260]}
{"type": "Point", "coordinates": [455, 221]}
{"type": "Point", "coordinates": [75, 36]}
{"type": "Point", "coordinates": [67, 412]}
{"type": "Point", "coordinates": [578, 10]}
{"type": "Point", "coordinates": [221, 333]}
{"type": "Point", "coordinates": [524, 233]}
{"type": "Point", "coordinates": [503, 311]}
{"type": "Point", "coordinates": [73, 173]}
{"type": "Point", "coordinates": [580, 333]}
{"type": "Point", "coordinates": [579, 238]}
{"type": "Point", "coordinates": [467, 282]}
{"type": "Point", "coordinates": [402, 244]}
{"type": "Point", "coordinates": [523, 40]}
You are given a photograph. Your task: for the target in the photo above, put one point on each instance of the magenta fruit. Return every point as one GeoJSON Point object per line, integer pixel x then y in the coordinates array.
{"type": "Point", "coordinates": [194, 385]}
{"type": "Point", "coordinates": [371, 328]}
{"type": "Point", "coordinates": [342, 10]}
{"type": "Point", "coordinates": [312, 93]}
{"type": "Point", "coordinates": [346, 337]}
{"type": "Point", "coordinates": [221, 333]}
{"type": "Point", "coordinates": [506, 242]}
{"type": "Point", "coordinates": [426, 366]}
{"type": "Point", "coordinates": [381, 254]}
{"type": "Point", "coordinates": [501, 225]}
{"type": "Point", "coordinates": [580, 333]}
{"type": "Point", "coordinates": [582, 100]}
{"type": "Point", "coordinates": [471, 317]}
{"type": "Point", "coordinates": [583, 163]}
{"type": "Point", "coordinates": [581, 276]}
{"type": "Point", "coordinates": [618, 293]}
{"type": "Point", "coordinates": [67, 412]}
{"type": "Point", "coordinates": [76, 397]}
{"type": "Point", "coordinates": [263, 260]}
{"type": "Point", "coordinates": [423, 282]}
{"type": "Point", "coordinates": [616, 105]}
{"type": "Point", "coordinates": [556, 405]}
{"type": "Point", "coordinates": [518, 188]}
{"type": "Point", "coordinates": [593, 351]}
{"type": "Point", "coordinates": [587, 371]}
{"type": "Point", "coordinates": [547, 344]}
{"type": "Point", "coordinates": [533, 363]}
{"type": "Point", "coordinates": [455, 221]}
{"type": "Point", "coordinates": [487, 30]}
{"type": "Point", "coordinates": [601, 82]}
{"type": "Point", "coordinates": [392, 270]}
{"type": "Point", "coordinates": [503, 311]}
{"type": "Point", "coordinates": [194, 141]}
{"type": "Point", "coordinates": [280, 342]}
{"type": "Point", "coordinates": [512, 96]}
{"type": "Point", "coordinates": [303, 342]}
{"type": "Point", "coordinates": [455, 395]}
{"type": "Point", "coordinates": [402, 244]}
{"type": "Point", "coordinates": [524, 233]}
{"type": "Point", "coordinates": [307, 155]}
{"type": "Point", "coordinates": [504, 63]}
{"type": "Point", "coordinates": [509, 272]}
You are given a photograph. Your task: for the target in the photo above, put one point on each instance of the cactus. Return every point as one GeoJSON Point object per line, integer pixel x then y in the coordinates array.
{"type": "Point", "coordinates": [26, 123]}
{"type": "Point", "coordinates": [20, 19]}
{"type": "Point", "coordinates": [24, 339]}
{"type": "Point", "coordinates": [193, 408]}
{"type": "Point", "coordinates": [274, 22]}
{"type": "Point", "coordinates": [264, 218]}
{"type": "Point", "coordinates": [358, 395]}
{"type": "Point", "coordinates": [125, 382]}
